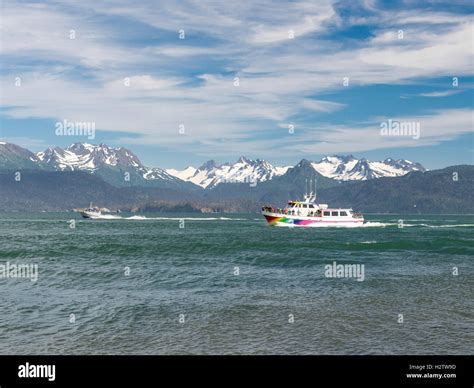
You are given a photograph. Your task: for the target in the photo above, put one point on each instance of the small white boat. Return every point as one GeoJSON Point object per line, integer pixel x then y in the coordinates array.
{"type": "Point", "coordinates": [309, 214]}
{"type": "Point", "coordinates": [91, 212]}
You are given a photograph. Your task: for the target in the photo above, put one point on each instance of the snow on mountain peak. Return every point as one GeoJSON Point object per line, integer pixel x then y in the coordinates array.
{"type": "Point", "coordinates": [85, 156]}
{"type": "Point", "coordinates": [350, 168]}
{"type": "Point", "coordinates": [245, 170]}
{"type": "Point", "coordinates": [91, 158]}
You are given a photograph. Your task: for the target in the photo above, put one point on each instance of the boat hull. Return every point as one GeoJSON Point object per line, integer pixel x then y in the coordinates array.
{"type": "Point", "coordinates": [90, 215]}
{"type": "Point", "coordinates": [288, 221]}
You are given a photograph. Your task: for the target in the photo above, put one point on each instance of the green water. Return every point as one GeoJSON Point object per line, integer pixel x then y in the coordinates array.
{"type": "Point", "coordinates": [242, 286]}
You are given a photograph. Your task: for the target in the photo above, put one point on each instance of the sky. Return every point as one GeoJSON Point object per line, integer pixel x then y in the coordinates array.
{"type": "Point", "coordinates": [182, 82]}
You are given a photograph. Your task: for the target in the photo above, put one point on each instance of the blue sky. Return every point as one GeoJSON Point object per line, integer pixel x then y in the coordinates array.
{"type": "Point", "coordinates": [333, 70]}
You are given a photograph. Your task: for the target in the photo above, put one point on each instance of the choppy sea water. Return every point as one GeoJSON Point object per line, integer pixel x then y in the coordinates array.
{"type": "Point", "coordinates": [233, 285]}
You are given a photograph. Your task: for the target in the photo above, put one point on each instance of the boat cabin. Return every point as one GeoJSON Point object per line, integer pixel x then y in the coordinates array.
{"type": "Point", "coordinates": [314, 210]}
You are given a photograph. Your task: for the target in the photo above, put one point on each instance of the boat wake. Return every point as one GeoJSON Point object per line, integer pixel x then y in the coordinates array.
{"type": "Point", "coordinates": [446, 226]}
{"type": "Point", "coordinates": [375, 224]}
{"type": "Point", "coordinates": [143, 218]}
{"type": "Point", "coordinates": [185, 218]}
{"type": "Point", "coordinates": [406, 225]}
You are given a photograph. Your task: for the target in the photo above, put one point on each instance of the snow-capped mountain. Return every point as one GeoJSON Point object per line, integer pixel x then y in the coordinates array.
{"type": "Point", "coordinates": [89, 157]}
{"type": "Point", "coordinates": [244, 170]}
{"type": "Point", "coordinates": [121, 167]}
{"type": "Point", "coordinates": [349, 168]}
{"type": "Point", "coordinates": [116, 165]}
{"type": "Point", "coordinates": [336, 167]}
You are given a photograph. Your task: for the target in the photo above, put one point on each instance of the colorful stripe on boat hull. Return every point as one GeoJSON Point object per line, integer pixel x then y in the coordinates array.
{"type": "Point", "coordinates": [285, 221]}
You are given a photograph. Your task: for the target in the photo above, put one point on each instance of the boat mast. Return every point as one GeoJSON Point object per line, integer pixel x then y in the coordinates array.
{"type": "Point", "coordinates": [310, 195]}
{"type": "Point", "coordinates": [315, 182]}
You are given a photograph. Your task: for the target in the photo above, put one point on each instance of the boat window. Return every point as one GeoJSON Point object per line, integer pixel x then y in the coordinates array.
{"type": "Point", "coordinates": [334, 214]}
{"type": "Point", "coordinates": [326, 214]}
{"type": "Point", "coordinates": [343, 214]}
{"type": "Point", "coordinates": [305, 206]}
{"type": "Point", "coordinates": [311, 206]}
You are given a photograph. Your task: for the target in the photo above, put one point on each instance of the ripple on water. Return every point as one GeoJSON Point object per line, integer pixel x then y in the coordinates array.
{"type": "Point", "coordinates": [280, 273]}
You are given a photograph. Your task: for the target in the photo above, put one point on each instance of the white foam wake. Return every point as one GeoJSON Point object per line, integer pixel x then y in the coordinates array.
{"type": "Point", "coordinates": [438, 226]}
{"type": "Point", "coordinates": [375, 224]}
{"type": "Point", "coordinates": [143, 218]}
{"type": "Point", "coordinates": [451, 226]}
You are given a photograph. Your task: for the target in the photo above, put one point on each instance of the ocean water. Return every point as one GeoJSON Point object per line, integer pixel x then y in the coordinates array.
{"type": "Point", "coordinates": [230, 284]}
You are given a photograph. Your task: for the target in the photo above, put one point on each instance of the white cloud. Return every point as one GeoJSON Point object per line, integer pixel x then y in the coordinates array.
{"type": "Point", "coordinates": [279, 78]}
{"type": "Point", "coordinates": [323, 106]}
{"type": "Point", "coordinates": [436, 55]}
{"type": "Point", "coordinates": [435, 127]}
{"type": "Point", "coordinates": [443, 93]}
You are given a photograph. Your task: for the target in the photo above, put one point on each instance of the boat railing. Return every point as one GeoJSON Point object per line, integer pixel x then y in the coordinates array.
{"type": "Point", "coordinates": [275, 210]}
{"type": "Point", "coordinates": [286, 211]}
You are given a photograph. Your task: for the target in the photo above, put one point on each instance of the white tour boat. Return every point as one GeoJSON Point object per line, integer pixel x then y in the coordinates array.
{"type": "Point", "coordinates": [308, 213]}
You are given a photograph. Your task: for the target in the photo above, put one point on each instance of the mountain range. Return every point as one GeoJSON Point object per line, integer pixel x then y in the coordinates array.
{"type": "Point", "coordinates": [62, 179]}
{"type": "Point", "coordinates": [337, 167]}
{"type": "Point", "coordinates": [121, 167]}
